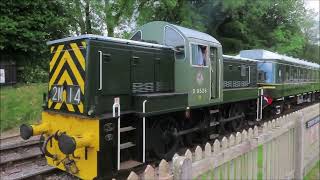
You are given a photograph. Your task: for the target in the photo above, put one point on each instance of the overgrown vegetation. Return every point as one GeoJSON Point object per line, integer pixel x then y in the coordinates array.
{"type": "Point", "coordinates": [20, 104]}
{"type": "Point", "coordinates": [314, 173]}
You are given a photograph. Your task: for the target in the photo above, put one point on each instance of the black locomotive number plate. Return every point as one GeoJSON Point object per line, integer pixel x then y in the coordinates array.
{"type": "Point", "coordinates": [73, 94]}
{"type": "Point", "coordinates": [56, 93]}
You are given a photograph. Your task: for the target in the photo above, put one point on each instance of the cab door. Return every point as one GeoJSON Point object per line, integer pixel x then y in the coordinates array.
{"type": "Point", "coordinates": [214, 72]}
{"type": "Point", "coordinates": [200, 74]}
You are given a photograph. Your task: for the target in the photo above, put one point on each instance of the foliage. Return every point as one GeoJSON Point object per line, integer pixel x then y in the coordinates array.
{"type": "Point", "coordinates": [180, 12]}
{"type": "Point", "coordinates": [81, 17]}
{"type": "Point", "coordinates": [282, 26]}
{"type": "Point", "coordinates": [33, 74]}
{"type": "Point", "coordinates": [20, 104]}
{"type": "Point", "coordinates": [114, 13]}
{"type": "Point", "coordinates": [272, 25]}
{"type": "Point", "coordinates": [25, 26]}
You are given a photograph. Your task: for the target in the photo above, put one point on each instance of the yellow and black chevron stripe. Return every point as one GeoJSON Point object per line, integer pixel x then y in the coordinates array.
{"type": "Point", "coordinates": [67, 67]}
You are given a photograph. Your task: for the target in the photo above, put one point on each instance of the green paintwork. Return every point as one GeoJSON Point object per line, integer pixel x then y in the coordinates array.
{"type": "Point", "coordinates": [186, 81]}
{"type": "Point", "coordinates": [124, 65]}
{"type": "Point", "coordinates": [232, 74]}
{"type": "Point", "coordinates": [111, 87]}
{"type": "Point", "coordinates": [160, 102]}
{"type": "Point", "coordinates": [283, 90]}
{"type": "Point", "coordinates": [239, 94]}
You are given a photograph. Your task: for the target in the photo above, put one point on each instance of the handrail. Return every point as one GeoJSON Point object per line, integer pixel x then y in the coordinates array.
{"type": "Point", "coordinates": [100, 70]}
{"type": "Point", "coordinates": [144, 131]}
{"type": "Point", "coordinates": [114, 106]}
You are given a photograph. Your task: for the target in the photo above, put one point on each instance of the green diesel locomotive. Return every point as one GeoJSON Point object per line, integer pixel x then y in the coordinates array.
{"type": "Point", "coordinates": [114, 104]}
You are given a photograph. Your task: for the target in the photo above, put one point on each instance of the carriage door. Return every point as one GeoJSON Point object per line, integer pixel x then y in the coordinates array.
{"type": "Point", "coordinates": [214, 71]}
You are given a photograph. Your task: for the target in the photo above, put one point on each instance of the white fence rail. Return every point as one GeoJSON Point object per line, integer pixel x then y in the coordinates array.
{"type": "Point", "coordinates": [284, 148]}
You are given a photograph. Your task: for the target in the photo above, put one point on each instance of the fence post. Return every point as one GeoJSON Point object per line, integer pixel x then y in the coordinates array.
{"type": "Point", "coordinates": [299, 146]}
{"type": "Point", "coordinates": [182, 168]}
{"type": "Point", "coordinates": [133, 176]}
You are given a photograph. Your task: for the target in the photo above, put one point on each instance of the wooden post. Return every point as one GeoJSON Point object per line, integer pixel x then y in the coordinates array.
{"type": "Point", "coordinates": [164, 170]}
{"type": "Point", "coordinates": [207, 150]}
{"type": "Point", "coordinates": [149, 173]}
{"type": "Point", "coordinates": [299, 147]}
{"type": "Point", "coordinates": [198, 154]}
{"type": "Point", "coordinates": [188, 154]}
{"type": "Point", "coordinates": [182, 168]}
{"type": "Point", "coordinates": [133, 176]}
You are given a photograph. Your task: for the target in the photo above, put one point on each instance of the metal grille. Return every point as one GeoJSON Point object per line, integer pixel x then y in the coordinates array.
{"type": "Point", "coordinates": [161, 86]}
{"type": "Point", "coordinates": [236, 84]}
{"type": "Point", "coordinates": [142, 87]}
{"type": "Point", "coordinates": [227, 84]}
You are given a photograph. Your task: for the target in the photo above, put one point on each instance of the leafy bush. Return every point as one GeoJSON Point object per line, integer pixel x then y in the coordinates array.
{"type": "Point", "coordinates": [33, 74]}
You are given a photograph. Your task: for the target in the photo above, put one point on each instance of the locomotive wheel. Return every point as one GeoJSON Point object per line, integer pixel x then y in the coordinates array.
{"type": "Point", "coordinates": [163, 141]}
{"type": "Point", "coordinates": [236, 124]}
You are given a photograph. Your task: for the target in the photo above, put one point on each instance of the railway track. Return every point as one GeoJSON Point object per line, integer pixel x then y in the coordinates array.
{"type": "Point", "coordinates": [20, 159]}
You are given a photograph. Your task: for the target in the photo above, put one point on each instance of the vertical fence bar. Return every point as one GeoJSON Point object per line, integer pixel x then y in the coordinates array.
{"type": "Point", "coordinates": [299, 147]}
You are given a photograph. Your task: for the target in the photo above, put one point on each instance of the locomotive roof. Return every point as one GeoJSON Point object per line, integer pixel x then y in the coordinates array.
{"type": "Point", "coordinates": [106, 38]}
{"type": "Point", "coordinates": [190, 33]}
{"type": "Point", "coordinates": [268, 55]}
{"type": "Point", "coordinates": [155, 29]}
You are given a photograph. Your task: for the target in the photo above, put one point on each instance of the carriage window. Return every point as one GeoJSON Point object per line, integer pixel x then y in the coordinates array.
{"type": "Point", "coordinates": [262, 76]}
{"type": "Point", "coordinates": [243, 70]}
{"type": "Point", "coordinates": [267, 72]}
{"type": "Point", "coordinates": [174, 39]}
{"type": "Point", "coordinates": [287, 73]}
{"type": "Point", "coordinates": [199, 55]}
{"type": "Point", "coordinates": [137, 36]}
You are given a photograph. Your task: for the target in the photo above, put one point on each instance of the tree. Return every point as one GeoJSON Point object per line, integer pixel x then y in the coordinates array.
{"type": "Point", "coordinates": [25, 26]}
{"type": "Point", "coordinates": [179, 12]}
{"type": "Point", "coordinates": [82, 17]}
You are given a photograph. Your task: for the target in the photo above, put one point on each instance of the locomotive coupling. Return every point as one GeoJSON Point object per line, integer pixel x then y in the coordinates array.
{"type": "Point", "coordinates": [68, 144]}
{"type": "Point", "coordinates": [26, 131]}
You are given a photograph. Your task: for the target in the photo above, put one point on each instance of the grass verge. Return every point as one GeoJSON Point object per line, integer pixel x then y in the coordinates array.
{"type": "Point", "coordinates": [20, 104]}
{"type": "Point", "coordinates": [314, 173]}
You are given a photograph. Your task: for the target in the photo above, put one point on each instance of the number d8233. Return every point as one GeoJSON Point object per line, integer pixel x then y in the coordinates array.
{"type": "Point", "coordinates": [73, 94]}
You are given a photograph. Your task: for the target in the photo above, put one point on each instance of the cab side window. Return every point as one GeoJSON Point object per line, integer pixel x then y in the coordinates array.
{"type": "Point", "coordinates": [137, 36]}
{"type": "Point", "coordinates": [199, 55]}
{"type": "Point", "coordinates": [175, 40]}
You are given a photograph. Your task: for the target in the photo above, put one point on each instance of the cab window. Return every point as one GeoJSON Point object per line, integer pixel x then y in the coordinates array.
{"type": "Point", "coordinates": [199, 55]}
{"type": "Point", "coordinates": [175, 40]}
{"type": "Point", "coordinates": [137, 36]}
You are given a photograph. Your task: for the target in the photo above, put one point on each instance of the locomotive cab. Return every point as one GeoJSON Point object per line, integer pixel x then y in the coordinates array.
{"type": "Point", "coordinates": [198, 60]}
